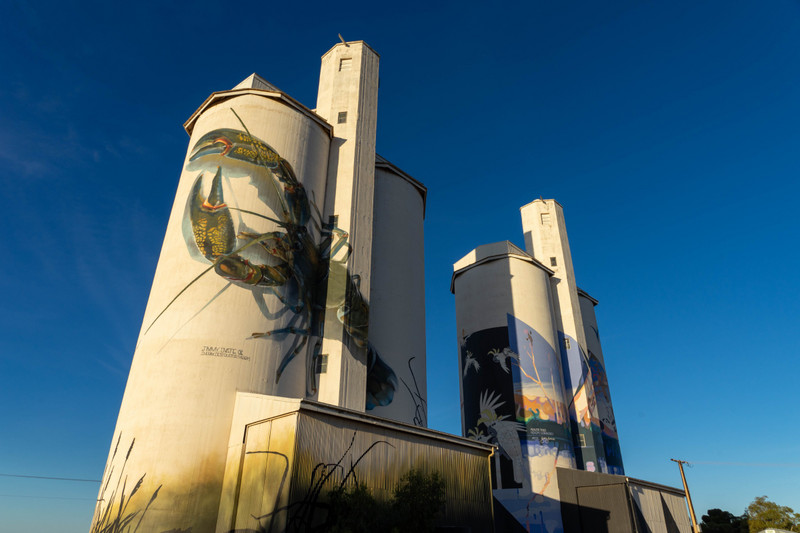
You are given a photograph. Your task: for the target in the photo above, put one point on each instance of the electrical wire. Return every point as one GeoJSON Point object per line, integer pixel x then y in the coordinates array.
{"type": "Point", "coordinates": [724, 463]}
{"type": "Point", "coordinates": [55, 478]}
{"type": "Point", "coordinates": [44, 497]}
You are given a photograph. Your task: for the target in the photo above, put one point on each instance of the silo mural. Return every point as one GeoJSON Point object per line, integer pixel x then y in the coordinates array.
{"type": "Point", "coordinates": [234, 306]}
{"type": "Point", "coordinates": [512, 380]}
{"type": "Point", "coordinates": [526, 386]}
{"type": "Point", "coordinates": [582, 406]}
{"type": "Point", "coordinates": [539, 396]}
{"type": "Point", "coordinates": [489, 410]}
{"type": "Point", "coordinates": [514, 398]}
{"type": "Point", "coordinates": [608, 424]}
{"type": "Point", "coordinates": [605, 409]}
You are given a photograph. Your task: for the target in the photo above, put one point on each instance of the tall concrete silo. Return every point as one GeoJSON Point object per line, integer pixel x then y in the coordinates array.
{"type": "Point", "coordinates": [229, 309]}
{"type": "Point", "coordinates": [545, 234]}
{"type": "Point", "coordinates": [397, 298]}
{"type": "Point", "coordinates": [512, 390]}
{"type": "Point", "coordinates": [597, 364]}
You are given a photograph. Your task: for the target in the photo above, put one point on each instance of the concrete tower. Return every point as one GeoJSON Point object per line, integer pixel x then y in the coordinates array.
{"type": "Point", "coordinates": [348, 99]}
{"type": "Point", "coordinates": [262, 291]}
{"type": "Point", "coordinates": [546, 240]}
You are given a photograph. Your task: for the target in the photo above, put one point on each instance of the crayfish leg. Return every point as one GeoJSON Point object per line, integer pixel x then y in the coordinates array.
{"type": "Point", "coordinates": [288, 357]}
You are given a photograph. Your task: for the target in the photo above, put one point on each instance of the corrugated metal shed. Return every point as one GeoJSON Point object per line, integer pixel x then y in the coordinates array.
{"type": "Point", "coordinates": [280, 472]}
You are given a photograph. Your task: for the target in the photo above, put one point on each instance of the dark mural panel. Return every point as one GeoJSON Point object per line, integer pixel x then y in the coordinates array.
{"type": "Point", "coordinates": [514, 397]}
{"type": "Point", "coordinates": [489, 411]}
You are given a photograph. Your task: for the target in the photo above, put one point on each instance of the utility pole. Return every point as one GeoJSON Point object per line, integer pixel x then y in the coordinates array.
{"type": "Point", "coordinates": [688, 498]}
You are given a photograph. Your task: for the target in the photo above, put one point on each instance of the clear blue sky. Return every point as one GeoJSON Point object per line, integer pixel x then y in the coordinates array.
{"type": "Point", "coordinates": [668, 130]}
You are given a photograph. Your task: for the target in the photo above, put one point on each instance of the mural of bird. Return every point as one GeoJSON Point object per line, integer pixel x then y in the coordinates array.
{"type": "Point", "coordinates": [470, 362]}
{"type": "Point", "coordinates": [504, 433]}
{"type": "Point", "coordinates": [501, 357]}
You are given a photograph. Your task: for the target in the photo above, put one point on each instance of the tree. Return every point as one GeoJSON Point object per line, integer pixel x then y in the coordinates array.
{"type": "Point", "coordinates": [355, 510]}
{"type": "Point", "coordinates": [417, 501]}
{"type": "Point", "coordinates": [414, 506]}
{"type": "Point", "coordinates": [764, 514]}
{"type": "Point", "coordinates": [719, 521]}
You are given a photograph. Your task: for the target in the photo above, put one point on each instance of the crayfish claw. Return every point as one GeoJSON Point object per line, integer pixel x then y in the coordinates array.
{"type": "Point", "coordinates": [212, 224]}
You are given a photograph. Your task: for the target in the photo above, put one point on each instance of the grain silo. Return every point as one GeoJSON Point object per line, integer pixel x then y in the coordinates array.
{"type": "Point", "coordinates": [512, 384]}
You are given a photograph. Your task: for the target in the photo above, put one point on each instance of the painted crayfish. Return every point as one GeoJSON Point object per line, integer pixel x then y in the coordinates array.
{"type": "Point", "coordinates": [288, 262]}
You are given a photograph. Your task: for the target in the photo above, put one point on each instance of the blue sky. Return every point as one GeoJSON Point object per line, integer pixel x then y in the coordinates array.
{"type": "Point", "coordinates": [668, 130]}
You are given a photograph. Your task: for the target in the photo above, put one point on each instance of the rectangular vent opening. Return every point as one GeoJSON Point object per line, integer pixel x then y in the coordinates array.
{"type": "Point", "coordinates": [346, 63]}
{"type": "Point", "coordinates": [546, 218]}
{"type": "Point", "coordinates": [342, 117]}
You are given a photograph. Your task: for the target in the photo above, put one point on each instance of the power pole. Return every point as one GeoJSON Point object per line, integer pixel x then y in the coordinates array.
{"type": "Point", "coordinates": [688, 498]}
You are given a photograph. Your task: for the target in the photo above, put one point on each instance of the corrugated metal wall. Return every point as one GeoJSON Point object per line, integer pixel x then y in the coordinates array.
{"type": "Point", "coordinates": [380, 457]}
{"type": "Point", "coordinates": [263, 494]}
{"type": "Point", "coordinates": [659, 511]}
{"type": "Point", "coordinates": [604, 508]}
{"type": "Point", "coordinates": [291, 462]}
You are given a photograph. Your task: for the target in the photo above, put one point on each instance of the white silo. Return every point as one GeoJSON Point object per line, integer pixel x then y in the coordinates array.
{"type": "Point", "coordinates": [396, 380]}
{"type": "Point", "coordinates": [230, 307]}
{"type": "Point", "coordinates": [512, 391]}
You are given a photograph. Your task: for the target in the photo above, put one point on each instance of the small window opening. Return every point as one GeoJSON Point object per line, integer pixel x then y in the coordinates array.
{"type": "Point", "coordinates": [580, 440]}
{"type": "Point", "coordinates": [342, 117]}
{"type": "Point", "coordinates": [553, 262]}
{"type": "Point", "coordinates": [545, 218]}
{"type": "Point", "coordinates": [322, 364]}
{"type": "Point", "coordinates": [346, 63]}
{"type": "Point", "coordinates": [566, 343]}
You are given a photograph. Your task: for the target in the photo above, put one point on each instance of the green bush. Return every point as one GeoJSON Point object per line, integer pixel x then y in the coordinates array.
{"type": "Point", "coordinates": [416, 501]}
{"type": "Point", "coordinates": [355, 510]}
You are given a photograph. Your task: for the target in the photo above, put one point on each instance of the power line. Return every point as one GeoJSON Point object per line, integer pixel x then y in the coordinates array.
{"type": "Point", "coordinates": [55, 478]}
{"type": "Point", "coordinates": [731, 463]}
{"type": "Point", "coordinates": [44, 497]}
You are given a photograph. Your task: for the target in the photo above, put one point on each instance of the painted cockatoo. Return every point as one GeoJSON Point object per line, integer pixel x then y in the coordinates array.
{"type": "Point", "coordinates": [470, 361]}
{"type": "Point", "coordinates": [501, 357]}
{"type": "Point", "coordinates": [504, 433]}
